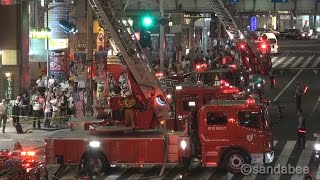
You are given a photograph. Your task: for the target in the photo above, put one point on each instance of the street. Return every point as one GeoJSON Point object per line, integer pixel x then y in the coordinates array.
{"type": "Point", "coordinates": [299, 62]}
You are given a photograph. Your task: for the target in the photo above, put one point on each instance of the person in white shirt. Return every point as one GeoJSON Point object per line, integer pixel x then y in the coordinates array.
{"type": "Point", "coordinates": [41, 86]}
{"type": "Point", "coordinates": [3, 114]}
{"type": "Point", "coordinates": [37, 113]}
{"type": "Point", "coordinates": [55, 110]}
{"type": "Point", "coordinates": [47, 113]}
{"type": "Point", "coordinates": [123, 78]}
{"type": "Point", "coordinates": [71, 108]}
{"type": "Point", "coordinates": [51, 81]}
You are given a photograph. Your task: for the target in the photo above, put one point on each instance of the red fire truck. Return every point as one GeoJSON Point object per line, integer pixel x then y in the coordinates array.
{"type": "Point", "coordinates": [226, 133]}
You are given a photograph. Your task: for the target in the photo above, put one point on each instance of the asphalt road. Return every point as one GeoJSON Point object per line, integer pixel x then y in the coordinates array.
{"type": "Point", "coordinates": [299, 65]}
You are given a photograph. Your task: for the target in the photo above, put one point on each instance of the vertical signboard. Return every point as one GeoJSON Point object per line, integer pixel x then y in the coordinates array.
{"type": "Point", "coordinates": [57, 65]}
{"type": "Point", "coordinates": [101, 63]}
{"type": "Point", "coordinates": [8, 86]}
{"type": "Point", "coordinates": [79, 103]}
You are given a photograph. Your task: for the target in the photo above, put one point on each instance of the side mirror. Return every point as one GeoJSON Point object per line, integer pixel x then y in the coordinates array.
{"type": "Point", "coordinates": [316, 135]}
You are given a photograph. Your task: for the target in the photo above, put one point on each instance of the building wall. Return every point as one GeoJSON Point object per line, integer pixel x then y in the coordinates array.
{"type": "Point", "coordinates": [10, 40]}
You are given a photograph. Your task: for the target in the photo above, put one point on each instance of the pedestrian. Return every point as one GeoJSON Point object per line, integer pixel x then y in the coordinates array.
{"type": "Point", "coordinates": [3, 114]}
{"type": "Point", "coordinates": [16, 110]}
{"type": "Point", "coordinates": [298, 96]}
{"type": "Point", "coordinates": [37, 112]}
{"type": "Point", "coordinates": [272, 78]}
{"type": "Point", "coordinates": [47, 113]}
{"type": "Point", "coordinates": [301, 130]}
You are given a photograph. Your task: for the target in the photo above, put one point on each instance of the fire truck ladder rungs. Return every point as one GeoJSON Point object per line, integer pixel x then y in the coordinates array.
{"type": "Point", "coordinates": [230, 24]}
{"type": "Point", "coordinates": [112, 18]}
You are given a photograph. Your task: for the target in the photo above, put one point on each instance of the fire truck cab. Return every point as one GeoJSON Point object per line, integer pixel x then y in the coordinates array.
{"type": "Point", "coordinates": [233, 133]}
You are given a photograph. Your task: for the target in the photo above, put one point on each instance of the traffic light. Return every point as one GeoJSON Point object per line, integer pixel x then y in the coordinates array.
{"type": "Point", "coordinates": [147, 21]}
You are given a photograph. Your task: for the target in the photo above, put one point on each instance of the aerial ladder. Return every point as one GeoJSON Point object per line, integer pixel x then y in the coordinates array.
{"type": "Point", "coordinates": [233, 28]}
{"type": "Point", "coordinates": [111, 16]}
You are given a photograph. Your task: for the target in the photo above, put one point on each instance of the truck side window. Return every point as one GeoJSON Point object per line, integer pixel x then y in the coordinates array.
{"type": "Point", "coordinates": [249, 119]}
{"type": "Point", "coordinates": [217, 118]}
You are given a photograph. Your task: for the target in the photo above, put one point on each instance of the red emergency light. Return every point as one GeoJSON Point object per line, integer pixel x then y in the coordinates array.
{"type": "Point", "coordinates": [159, 74]}
{"type": "Point", "coordinates": [242, 46]}
{"type": "Point", "coordinates": [250, 101]}
{"type": "Point", "coordinates": [263, 46]}
{"type": "Point", "coordinates": [301, 131]}
{"type": "Point", "coordinates": [27, 153]}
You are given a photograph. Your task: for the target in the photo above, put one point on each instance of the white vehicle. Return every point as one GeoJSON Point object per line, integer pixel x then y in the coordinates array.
{"type": "Point", "coordinates": [273, 41]}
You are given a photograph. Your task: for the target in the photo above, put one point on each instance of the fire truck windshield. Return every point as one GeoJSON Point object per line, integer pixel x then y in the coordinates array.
{"type": "Point", "coordinates": [251, 119]}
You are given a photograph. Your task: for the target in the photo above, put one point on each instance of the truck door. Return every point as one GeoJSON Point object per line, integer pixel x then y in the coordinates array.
{"type": "Point", "coordinates": [214, 135]}
{"type": "Point", "coordinates": [183, 109]}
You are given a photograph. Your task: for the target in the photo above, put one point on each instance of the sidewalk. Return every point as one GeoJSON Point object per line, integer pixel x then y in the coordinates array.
{"type": "Point", "coordinates": [34, 138]}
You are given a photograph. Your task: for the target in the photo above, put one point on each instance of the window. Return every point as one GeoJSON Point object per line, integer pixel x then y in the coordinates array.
{"type": "Point", "coordinates": [249, 119]}
{"type": "Point", "coordinates": [273, 41]}
{"type": "Point", "coordinates": [217, 118]}
{"type": "Point", "coordinates": [185, 101]}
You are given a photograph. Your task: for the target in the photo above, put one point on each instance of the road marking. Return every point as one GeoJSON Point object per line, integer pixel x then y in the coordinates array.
{"type": "Point", "coordinates": [316, 105]}
{"type": "Point", "coordinates": [307, 61]}
{"type": "Point", "coordinates": [116, 173]}
{"type": "Point", "coordinates": [297, 62]}
{"type": "Point", "coordinates": [287, 85]}
{"type": "Point", "coordinates": [278, 62]}
{"type": "Point", "coordinates": [288, 62]}
{"type": "Point", "coordinates": [7, 140]}
{"type": "Point", "coordinates": [316, 62]}
{"type": "Point", "coordinates": [304, 159]}
{"type": "Point", "coordinates": [274, 59]}
{"type": "Point", "coordinates": [283, 158]}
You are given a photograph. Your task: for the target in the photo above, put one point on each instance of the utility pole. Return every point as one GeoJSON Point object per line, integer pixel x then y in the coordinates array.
{"type": "Point", "coordinates": [89, 58]}
{"type": "Point", "coordinates": [162, 37]}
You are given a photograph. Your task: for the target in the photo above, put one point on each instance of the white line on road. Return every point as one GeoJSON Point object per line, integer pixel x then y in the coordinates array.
{"type": "Point", "coordinates": [7, 140]}
{"type": "Point", "coordinates": [288, 62]}
{"type": "Point", "coordinates": [274, 59]}
{"type": "Point", "coordinates": [304, 159]}
{"type": "Point", "coordinates": [307, 61]}
{"type": "Point", "coordinates": [287, 85]}
{"type": "Point", "coordinates": [283, 158]}
{"type": "Point", "coordinates": [316, 105]}
{"type": "Point", "coordinates": [278, 62]}
{"type": "Point", "coordinates": [297, 62]}
{"type": "Point", "coordinates": [315, 64]}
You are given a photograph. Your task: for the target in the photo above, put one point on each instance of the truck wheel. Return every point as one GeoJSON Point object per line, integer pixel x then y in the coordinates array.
{"type": "Point", "coordinates": [234, 159]}
{"type": "Point", "coordinates": [96, 163]}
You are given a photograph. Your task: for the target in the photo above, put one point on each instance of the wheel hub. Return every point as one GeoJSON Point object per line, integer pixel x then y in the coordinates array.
{"type": "Point", "coordinates": [236, 161]}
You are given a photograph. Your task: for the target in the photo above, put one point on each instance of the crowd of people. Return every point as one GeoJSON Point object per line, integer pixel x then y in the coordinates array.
{"type": "Point", "coordinates": [48, 102]}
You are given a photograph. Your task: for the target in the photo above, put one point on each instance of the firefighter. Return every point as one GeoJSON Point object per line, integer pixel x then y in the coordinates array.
{"type": "Point", "coordinates": [298, 96]}
{"type": "Point", "coordinates": [301, 130]}
{"type": "Point", "coordinates": [129, 103]}
{"type": "Point", "coordinates": [272, 78]}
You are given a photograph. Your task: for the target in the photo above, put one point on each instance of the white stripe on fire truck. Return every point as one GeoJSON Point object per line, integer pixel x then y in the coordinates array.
{"type": "Point", "coordinates": [283, 158]}
{"type": "Point", "coordinates": [278, 62]}
{"type": "Point", "coordinates": [304, 159]}
{"type": "Point", "coordinates": [288, 62]}
{"type": "Point", "coordinates": [307, 61]}
{"type": "Point", "coordinates": [297, 62]}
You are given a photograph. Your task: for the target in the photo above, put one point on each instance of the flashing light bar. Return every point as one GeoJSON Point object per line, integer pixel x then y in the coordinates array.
{"type": "Point", "coordinates": [305, 89]}
{"type": "Point", "coordinates": [263, 46]}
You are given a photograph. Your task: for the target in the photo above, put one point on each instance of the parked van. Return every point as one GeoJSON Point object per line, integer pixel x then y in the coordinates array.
{"type": "Point", "coordinates": [273, 41]}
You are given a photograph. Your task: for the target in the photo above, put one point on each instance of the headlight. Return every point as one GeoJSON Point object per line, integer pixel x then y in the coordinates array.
{"type": "Point", "coordinates": [94, 144]}
{"type": "Point", "coordinates": [183, 144]}
{"type": "Point", "coordinates": [259, 85]}
{"type": "Point", "coordinates": [317, 147]}
{"type": "Point", "coordinates": [248, 90]}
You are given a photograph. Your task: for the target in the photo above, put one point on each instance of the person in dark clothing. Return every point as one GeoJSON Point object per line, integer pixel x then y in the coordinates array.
{"type": "Point", "coordinates": [16, 110]}
{"type": "Point", "coordinates": [298, 96]}
{"type": "Point", "coordinates": [301, 130]}
{"type": "Point", "coordinates": [272, 78]}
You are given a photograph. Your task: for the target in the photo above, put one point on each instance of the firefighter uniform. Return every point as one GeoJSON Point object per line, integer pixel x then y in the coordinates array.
{"type": "Point", "coordinates": [129, 112]}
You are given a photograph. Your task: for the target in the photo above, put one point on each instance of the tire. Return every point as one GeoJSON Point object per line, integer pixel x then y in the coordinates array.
{"type": "Point", "coordinates": [234, 159]}
{"type": "Point", "coordinates": [95, 163]}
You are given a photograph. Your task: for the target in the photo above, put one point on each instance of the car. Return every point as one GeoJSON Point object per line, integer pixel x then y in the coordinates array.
{"type": "Point", "coordinates": [273, 41]}
{"type": "Point", "coordinates": [294, 34]}
{"type": "Point", "coordinates": [317, 147]}
{"type": "Point", "coordinates": [260, 31]}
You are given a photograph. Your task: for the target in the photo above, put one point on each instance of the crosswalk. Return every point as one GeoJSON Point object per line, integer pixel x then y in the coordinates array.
{"type": "Point", "coordinates": [286, 154]}
{"type": "Point", "coordinates": [292, 61]}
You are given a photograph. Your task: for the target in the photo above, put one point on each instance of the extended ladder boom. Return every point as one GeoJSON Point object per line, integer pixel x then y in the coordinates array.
{"type": "Point", "coordinates": [114, 22]}
{"type": "Point", "coordinates": [230, 24]}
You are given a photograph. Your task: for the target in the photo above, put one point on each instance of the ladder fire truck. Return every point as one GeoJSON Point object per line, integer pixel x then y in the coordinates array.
{"type": "Point", "coordinates": [254, 55]}
{"type": "Point", "coordinates": [226, 133]}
